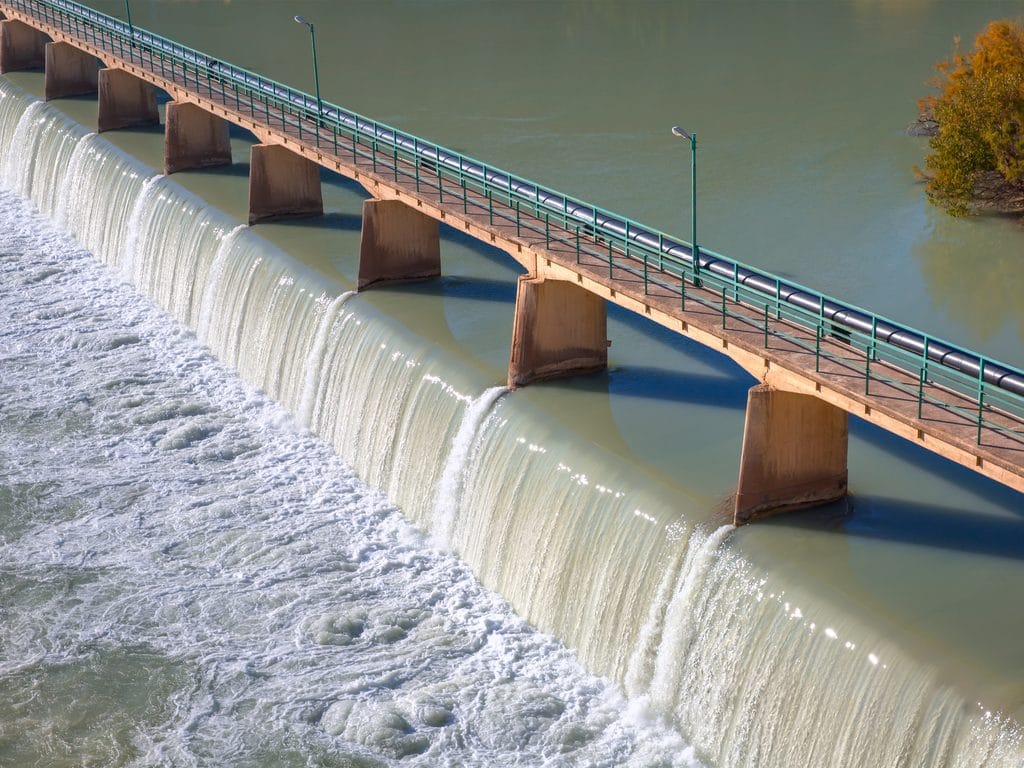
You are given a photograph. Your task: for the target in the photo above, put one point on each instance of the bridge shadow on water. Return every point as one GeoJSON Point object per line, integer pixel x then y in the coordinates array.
{"type": "Point", "coordinates": [471, 288]}
{"type": "Point", "coordinates": [335, 220]}
{"type": "Point", "coordinates": [450, 234]}
{"type": "Point", "coordinates": [906, 452]}
{"type": "Point", "coordinates": [651, 382]}
{"type": "Point", "coordinates": [906, 521]}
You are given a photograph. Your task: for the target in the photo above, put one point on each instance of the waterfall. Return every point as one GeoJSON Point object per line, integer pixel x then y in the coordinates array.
{"type": "Point", "coordinates": [626, 571]}
{"type": "Point", "coordinates": [387, 404]}
{"type": "Point", "coordinates": [315, 361]}
{"type": "Point", "coordinates": [215, 275]}
{"type": "Point", "coordinates": [12, 107]}
{"type": "Point", "coordinates": [26, 136]}
{"type": "Point", "coordinates": [97, 195]}
{"type": "Point", "coordinates": [449, 488]}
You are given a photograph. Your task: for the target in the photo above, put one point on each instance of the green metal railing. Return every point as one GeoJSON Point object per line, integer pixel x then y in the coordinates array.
{"type": "Point", "coordinates": [626, 249]}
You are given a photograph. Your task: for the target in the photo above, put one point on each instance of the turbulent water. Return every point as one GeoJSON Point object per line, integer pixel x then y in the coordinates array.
{"type": "Point", "coordinates": [192, 576]}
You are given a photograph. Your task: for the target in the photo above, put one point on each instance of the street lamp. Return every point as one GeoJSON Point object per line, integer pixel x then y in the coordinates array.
{"type": "Point", "coordinates": [316, 73]}
{"type": "Point", "coordinates": [131, 29]}
{"type": "Point", "coordinates": [695, 249]}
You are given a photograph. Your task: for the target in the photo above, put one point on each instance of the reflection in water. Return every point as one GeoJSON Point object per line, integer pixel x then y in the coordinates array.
{"type": "Point", "coordinates": [971, 267]}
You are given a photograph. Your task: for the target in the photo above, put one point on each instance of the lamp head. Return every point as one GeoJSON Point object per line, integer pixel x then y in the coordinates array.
{"type": "Point", "coordinates": [680, 132]}
{"type": "Point", "coordinates": [303, 20]}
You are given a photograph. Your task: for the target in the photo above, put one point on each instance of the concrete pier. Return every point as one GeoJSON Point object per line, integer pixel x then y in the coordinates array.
{"type": "Point", "coordinates": [21, 46]}
{"type": "Point", "coordinates": [794, 453]}
{"type": "Point", "coordinates": [560, 329]}
{"type": "Point", "coordinates": [399, 244]}
{"type": "Point", "coordinates": [194, 138]}
{"type": "Point", "coordinates": [282, 184]}
{"type": "Point", "coordinates": [125, 101]}
{"type": "Point", "coordinates": [69, 72]}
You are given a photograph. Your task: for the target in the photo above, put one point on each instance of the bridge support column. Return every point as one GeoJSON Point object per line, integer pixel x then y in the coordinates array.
{"type": "Point", "coordinates": [194, 138]}
{"type": "Point", "coordinates": [125, 101]}
{"type": "Point", "coordinates": [794, 453]}
{"type": "Point", "coordinates": [560, 329]}
{"type": "Point", "coordinates": [69, 72]}
{"type": "Point", "coordinates": [399, 244]}
{"type": "Point", "coordinates": [282, 184]}
{"type": "Point", "coordinates": [21, 46]}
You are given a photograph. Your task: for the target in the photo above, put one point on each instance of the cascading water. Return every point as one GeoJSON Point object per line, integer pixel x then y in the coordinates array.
{"type": "Point", "coordinates": [97, 196]}
{"type": "Point", "coordinates": [752, 672]}
{"type": "Point", "coordinates": [449, 488]}
{"type": "Point", "coordinates": [315, 361]}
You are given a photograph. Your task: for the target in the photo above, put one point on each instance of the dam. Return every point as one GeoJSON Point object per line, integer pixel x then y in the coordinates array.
{"type": "Point", "coordinates": [684, 622]}
{"type": "Point", "coordinates": [801, 344]}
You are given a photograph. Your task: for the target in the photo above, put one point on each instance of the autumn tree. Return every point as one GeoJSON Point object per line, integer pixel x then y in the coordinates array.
{"type": "Point", "coordinates": [977, 152]}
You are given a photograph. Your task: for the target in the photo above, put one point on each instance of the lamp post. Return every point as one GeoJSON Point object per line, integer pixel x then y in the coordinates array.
{"type": "Point", "coordinates": [695, 249]}
{"type": "Point", "coordinates": [316, 73]}
{"type": "Point", "coordinates": [131, 28]}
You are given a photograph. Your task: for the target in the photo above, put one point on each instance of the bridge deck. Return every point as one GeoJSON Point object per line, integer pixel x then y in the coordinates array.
{"type": "Point", "coordinates": [825, 361]}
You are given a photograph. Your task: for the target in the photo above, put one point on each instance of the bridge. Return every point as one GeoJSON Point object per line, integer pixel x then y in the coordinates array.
{"type": "Point", "coordinates": [816, 358]}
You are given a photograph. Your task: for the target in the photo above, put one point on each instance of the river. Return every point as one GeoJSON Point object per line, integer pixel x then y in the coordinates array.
{"type": "Point", "coordinates": [213, 584]}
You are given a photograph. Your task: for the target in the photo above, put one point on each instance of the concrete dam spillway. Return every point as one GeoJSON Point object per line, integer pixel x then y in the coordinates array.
{"type": "Point", "coordinates": [753, 664]}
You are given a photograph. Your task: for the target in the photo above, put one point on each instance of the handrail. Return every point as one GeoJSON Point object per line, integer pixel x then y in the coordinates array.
{"type": "Point", "coordinates": [624, 244]}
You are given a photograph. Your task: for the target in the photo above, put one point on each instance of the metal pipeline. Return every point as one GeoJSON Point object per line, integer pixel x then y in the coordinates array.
{"type": "Point", "coordinates": [594, 220]}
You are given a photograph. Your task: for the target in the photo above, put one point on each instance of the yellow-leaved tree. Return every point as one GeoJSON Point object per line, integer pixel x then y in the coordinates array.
{"type": "Point", "coordinates": [977, 153]}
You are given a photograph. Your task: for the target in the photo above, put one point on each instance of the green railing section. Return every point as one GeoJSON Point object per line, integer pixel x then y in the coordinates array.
{"type": "Point", "coordinates": [567, 224]}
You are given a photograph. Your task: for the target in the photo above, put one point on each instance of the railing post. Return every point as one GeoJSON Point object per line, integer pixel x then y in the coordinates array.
{"type": "Point", "coordinates": [981, 394]}
{"type": "Point", "coordinates": [869, 354]}
{"type": "Point", "coordinates": [724, 287]}
{"type": "Point", "coordinates": [577, 243]}
{"type": "Point", "coordinates": [818, 330]}
{"type": "Point", "coordinates": [440, 176]}
{"type": "Point", "coordinates": [416, 160]}
{"type": "Point", "coordinates": [921, 380]}
{"type": "Point", "coordinates": [645, 273]}
{"type": "Point", "coordinates": [766, 326]}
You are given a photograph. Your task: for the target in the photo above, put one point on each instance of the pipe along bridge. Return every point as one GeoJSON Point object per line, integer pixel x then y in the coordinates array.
{"type": "Point", "coordinates": [816, 358]}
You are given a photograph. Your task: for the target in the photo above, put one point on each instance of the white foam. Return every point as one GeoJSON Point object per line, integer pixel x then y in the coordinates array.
{"type": "Point", "coordinates": [315, 360]}
{"type": "Point", "coordinates": [280, 604]}
{"type": "Point", "coordinates": [449, 487]}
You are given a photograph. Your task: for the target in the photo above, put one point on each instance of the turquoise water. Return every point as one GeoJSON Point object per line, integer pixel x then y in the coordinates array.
{"type": "Point", "coordinates": [805, 170]}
